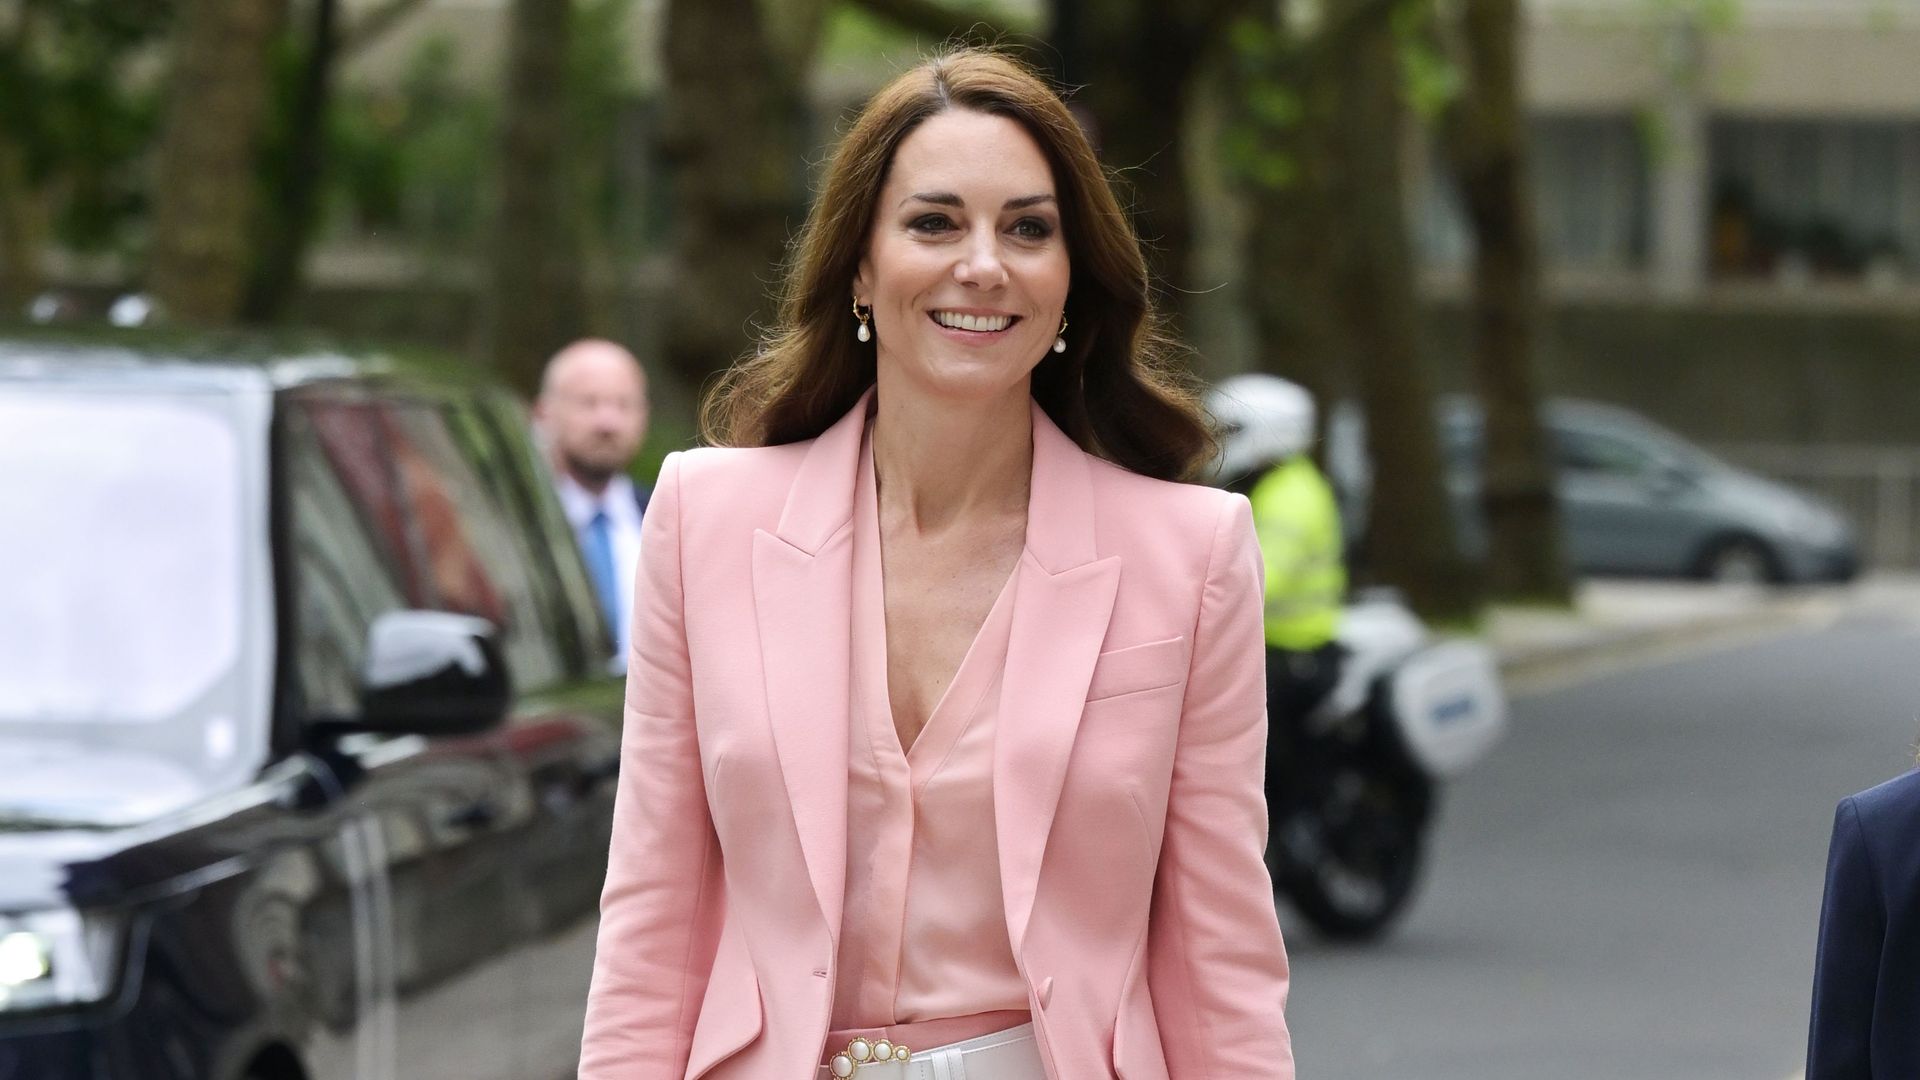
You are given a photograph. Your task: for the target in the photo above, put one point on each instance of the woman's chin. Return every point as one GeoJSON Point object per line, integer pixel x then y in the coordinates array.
{"type": "Point", "coordinates": [971, 376]}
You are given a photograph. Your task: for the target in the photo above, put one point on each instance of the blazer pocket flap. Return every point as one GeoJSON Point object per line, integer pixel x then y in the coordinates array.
{"type": "Point", "coordinates": [1138, 667]}
{"type": "Point", "coordinates": [730, 1014]}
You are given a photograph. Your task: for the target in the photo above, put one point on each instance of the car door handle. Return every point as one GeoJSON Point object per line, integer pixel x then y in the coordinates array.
{"type": "Point", "coordinates": [476, 815]}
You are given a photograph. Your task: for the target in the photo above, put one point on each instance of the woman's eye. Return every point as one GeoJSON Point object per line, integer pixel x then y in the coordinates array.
{"type": "Point", "coordinates": [1033, 228]}
{"type": "Point", "coordinates": [930, 223]}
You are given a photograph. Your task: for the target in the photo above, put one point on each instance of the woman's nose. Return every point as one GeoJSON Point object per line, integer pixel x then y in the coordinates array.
{"type": "Point", "coordinates": [980, 263]}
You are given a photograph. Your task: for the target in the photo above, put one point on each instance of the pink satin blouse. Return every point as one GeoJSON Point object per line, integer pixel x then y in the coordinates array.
{"type": "Point", "coordinates": [923, 952]}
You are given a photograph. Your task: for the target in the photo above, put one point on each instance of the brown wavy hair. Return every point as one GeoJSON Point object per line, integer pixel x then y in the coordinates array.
{"type": "Point", "coordinates": [1120, 390]}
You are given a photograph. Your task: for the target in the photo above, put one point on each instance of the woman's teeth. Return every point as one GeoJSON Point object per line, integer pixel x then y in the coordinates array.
{"type": "Point", "coordinates": [977, 323]}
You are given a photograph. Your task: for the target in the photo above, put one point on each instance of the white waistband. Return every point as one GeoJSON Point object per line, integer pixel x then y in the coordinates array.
{"type": "Point", "coordinates": [1002, 1055]}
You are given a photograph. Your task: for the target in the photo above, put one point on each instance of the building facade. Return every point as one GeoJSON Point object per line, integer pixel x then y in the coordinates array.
{"type": "Point", "coordinates": [1684, 147]}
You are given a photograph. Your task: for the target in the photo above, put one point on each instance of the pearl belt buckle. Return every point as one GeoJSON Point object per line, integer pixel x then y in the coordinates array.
{"type": "Point", "coordinates": [861, 1052]}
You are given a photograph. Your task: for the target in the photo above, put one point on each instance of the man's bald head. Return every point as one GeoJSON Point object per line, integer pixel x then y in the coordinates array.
{"type": "Point", "coordinates": [593, 409]}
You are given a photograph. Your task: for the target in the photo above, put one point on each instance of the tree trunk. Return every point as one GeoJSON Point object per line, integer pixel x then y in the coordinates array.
{"type": "Point", "coordinates": [24, 214]}
{"type": "Point", "coordinates": [1486, 138]}
{"type": "Point", "coordinates": [732, 142]}
{"type": "Point", "coordinates": [1410, 541]}
{"type": "Point", "coordinates": [1139, 105]}
{"type": "Point", "coordinates": [205, 179]}
{"type": "Point", "coordinates": [286, 226]}
{"type": "Point", "coordinates": [24, 226]}
{"type": "Point", "coordinates": [1291, 282]}
{"type": "Point", "coordinates": [1137, 67]}
{"type": "Point", "coordinates": [536, 300]}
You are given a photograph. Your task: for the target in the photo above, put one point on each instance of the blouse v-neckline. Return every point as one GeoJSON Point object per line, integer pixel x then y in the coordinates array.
{"type": "Point", "coordinates": [969, 681]}
{"type": "Point", "coordinates": [923, 934]}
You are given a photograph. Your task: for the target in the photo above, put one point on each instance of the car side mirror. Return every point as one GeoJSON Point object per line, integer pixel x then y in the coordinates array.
{"type": "Point", "coordinates": [433, 673]}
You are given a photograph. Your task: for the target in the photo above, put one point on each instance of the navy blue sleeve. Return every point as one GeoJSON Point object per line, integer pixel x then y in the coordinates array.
{"type": "Point", "coordinates": [1846, 966]}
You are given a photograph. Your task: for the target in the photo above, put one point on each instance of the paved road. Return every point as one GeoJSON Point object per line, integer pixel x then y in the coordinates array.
{"type": "Point", "coordinates": [1629, 887]}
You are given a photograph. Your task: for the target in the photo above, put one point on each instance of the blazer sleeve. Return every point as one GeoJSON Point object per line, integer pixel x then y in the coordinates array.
{"type": "Point", "coordinates": [660, 910]}
{"type": "Point", "coordinates": [1217, 969]}
{"type": "Point", "coordinates": [1846, 964]}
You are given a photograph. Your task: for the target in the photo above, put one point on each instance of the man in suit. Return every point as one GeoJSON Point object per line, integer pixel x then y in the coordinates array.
{"type": "Point", "coordinates": [1866, 979]}
{"type": "Point", "coordinates": [592, 415]}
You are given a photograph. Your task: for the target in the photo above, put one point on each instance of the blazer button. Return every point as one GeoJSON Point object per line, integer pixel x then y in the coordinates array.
{"type": "Point", "coordinates": [1046, 991]}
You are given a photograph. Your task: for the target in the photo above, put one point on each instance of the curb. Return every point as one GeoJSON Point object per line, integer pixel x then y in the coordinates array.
{"type": "Point", "coordinates": [1613, 645]}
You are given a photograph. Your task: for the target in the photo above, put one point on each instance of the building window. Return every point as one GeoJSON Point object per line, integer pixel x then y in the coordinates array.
{"type": "Point", "coordinates": [1808, 199]}
{"type": "Point", "coordinates": [1590, 191]}
{"type": "Point", "coordinates": [1589, 178]}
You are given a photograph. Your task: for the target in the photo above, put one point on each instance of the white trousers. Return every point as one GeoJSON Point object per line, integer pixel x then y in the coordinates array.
{"type": "Point", "coordinates": [1012, 1054]}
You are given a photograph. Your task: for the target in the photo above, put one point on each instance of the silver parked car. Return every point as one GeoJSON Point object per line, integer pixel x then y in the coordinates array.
{"type": "Point", "coordinates": [1636, 498]}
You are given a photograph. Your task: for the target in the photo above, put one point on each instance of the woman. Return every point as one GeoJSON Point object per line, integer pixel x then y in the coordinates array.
{"type": "Point", "coordinates": [1866, 976]}
{"type": "Point", "coordinates": [945, 719]}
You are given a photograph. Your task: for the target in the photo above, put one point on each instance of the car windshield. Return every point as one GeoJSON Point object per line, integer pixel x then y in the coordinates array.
{"type": "Point", "coordinates": [123, 529]}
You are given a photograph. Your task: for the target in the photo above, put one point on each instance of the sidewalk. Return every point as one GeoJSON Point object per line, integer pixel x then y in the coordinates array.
{"type": "Point", "coordinates": [1615, 618]}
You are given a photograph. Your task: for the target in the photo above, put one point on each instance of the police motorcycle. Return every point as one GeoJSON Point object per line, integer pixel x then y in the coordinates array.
{"type": "Point", "coordinates": [1353, 778]}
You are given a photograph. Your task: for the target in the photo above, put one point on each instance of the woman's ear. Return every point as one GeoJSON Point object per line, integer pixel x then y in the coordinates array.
{"type": "Point", "coordinates": [863, 282]}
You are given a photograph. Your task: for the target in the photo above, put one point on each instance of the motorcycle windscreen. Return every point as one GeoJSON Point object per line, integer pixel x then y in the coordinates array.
{"type": "Point", "coordinates": [1449, 704]}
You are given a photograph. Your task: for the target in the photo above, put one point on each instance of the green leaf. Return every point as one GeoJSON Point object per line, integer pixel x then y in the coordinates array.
{"type": "Point", "coordinates": [1274, 104]}
{"type": "Point", "coordinates": [1253, 40]}
{"type": "Point", "coordinates": [1276, 170]}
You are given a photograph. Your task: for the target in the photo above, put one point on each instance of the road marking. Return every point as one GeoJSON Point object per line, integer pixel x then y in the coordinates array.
{"type": "Point", "coordinates": [1796, 616]}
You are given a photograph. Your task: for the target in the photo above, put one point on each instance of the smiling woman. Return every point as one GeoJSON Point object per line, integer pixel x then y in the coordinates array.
{"type": "Point", "coordinates": [971, 152]}
{"type": "Point", "coordinates": [945, 708]}
{"type": "Point", "coordinates": [966, 272]}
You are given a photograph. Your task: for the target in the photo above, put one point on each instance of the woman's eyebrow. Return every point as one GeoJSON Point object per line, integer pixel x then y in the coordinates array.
{"type": "Point", "coordinates": [948, 198]}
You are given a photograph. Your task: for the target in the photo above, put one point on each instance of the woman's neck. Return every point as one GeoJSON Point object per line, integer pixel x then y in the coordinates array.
{"type": "Point", "coordinates": [937, 462]}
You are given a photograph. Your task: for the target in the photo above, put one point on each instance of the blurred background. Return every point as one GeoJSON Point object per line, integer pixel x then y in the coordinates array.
{"type": "Point", "coordinates": [1560, 272]}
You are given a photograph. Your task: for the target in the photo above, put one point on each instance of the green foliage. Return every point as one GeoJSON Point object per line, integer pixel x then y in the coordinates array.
{"type": "Point", "coordinates": [1269, 62]}
{"type": "Point", "coordinates": [854, 35]}
{"type": "Point", "coordinates": [1430, 79]}
{"type": "Point", "coordinates": [78, 120]}
{"type": "Point", "coordinates": [1254, 138]}
{"type": "Point", "coordinates": [286, 69]}
{"type": "Point", "coordinates": [1712, 16]}
{"type": "Point", "coordinates": [415, 162]}
{"type": "Point", "coordinates": [598, 91]}
{"type": "Point", "coordinates": [1654, 134]}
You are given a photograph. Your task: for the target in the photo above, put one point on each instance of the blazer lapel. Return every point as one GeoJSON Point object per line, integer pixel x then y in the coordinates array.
{"type": "Point", "coordinates": [1062, 603]}
{"type": "Point", "coordinates": [802, 588]}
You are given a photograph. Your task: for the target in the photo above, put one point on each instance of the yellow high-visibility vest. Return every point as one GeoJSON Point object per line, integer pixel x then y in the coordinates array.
{"type": "Point", "coordinates": [1298, 523]}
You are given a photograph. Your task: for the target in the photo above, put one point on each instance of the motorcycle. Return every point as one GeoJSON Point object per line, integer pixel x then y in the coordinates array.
{"type": "Point", "coordinates": [1352, 785]}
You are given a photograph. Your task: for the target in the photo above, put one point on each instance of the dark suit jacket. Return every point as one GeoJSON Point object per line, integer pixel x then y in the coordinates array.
{"type": "Point", "coordinates": [1866, 979]}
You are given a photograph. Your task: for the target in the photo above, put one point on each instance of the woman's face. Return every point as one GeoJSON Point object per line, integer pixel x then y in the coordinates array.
{"type": "Point", "coordinates": [966, 268]}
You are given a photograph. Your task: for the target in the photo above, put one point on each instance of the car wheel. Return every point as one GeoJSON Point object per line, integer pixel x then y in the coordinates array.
{"type": "Point", "coordinates": [1740, 560]}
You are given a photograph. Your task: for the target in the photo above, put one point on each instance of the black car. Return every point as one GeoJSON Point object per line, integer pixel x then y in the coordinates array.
{"type": "Point", "coordinates": [308, 734]}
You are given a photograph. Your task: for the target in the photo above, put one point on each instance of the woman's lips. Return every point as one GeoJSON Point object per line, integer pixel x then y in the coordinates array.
{"type": "Point", "coordinates": [973, 337]}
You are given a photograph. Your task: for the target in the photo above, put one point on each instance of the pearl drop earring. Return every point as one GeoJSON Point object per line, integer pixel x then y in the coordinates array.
{"type": "Point", "coordinates": [865, 333]}
{"type": "Point", "coordinates": [1060, 341]}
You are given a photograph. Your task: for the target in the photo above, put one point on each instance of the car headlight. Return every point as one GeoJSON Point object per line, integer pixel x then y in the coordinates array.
{"type": "Point", "coordinates": [1824, 527]}
{"type": "Point", "coordinates": [1802, 523]}
{"type": "Point", "coordinates": [57, 957]}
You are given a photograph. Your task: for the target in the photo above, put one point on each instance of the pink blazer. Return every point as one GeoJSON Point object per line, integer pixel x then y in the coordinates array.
{"type": "Point", "coordinates": [1126, 781]}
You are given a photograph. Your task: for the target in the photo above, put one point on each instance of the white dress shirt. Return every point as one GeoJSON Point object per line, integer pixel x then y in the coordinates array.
{"type": "Point", "coordinates": [619, 501]}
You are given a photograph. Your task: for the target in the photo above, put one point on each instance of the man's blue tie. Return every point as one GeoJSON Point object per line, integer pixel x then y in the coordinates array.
{"type": "Point", "coordinates": [598, 547]}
